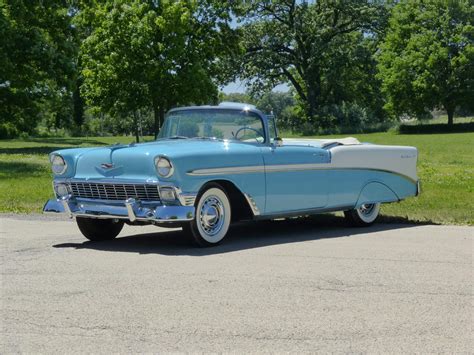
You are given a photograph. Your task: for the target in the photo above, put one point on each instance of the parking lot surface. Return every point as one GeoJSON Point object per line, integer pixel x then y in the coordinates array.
{"type": "Point", "coordinates": [289, 286]}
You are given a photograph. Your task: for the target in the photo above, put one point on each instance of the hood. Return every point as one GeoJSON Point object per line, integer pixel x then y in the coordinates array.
{"type": "Point", "coordinates": [136, 161]}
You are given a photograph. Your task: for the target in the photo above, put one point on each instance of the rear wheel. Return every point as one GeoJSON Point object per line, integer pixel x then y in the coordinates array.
{"type": "Point", "coordinates": [212, 220]}
{"type": "Point", "coordinates": [99, 229]}
{"type": "Point", "coordinates": [363, 216]}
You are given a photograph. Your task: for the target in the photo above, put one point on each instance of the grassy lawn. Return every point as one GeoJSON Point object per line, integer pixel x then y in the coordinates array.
{"type": "Point", "coordinates": [441, 120]}
{"type": "Point", "coordinates": [446, 167]}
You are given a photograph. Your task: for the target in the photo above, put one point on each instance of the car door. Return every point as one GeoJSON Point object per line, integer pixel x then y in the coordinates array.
{"type": "Point", "coordinates": [295, 177]}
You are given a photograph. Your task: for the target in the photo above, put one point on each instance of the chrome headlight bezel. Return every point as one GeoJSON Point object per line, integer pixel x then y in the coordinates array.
{"type": "Point", "coordinates": [61, 193]}
{"type": "Point", "coordinates": [163, 167]}
{"type": "Point", "coordinates": [59, 162]}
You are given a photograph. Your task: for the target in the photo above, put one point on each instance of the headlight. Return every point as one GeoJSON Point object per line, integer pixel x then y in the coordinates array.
{"type": "Point", "coordinates": [164, 167]}
{"type": "Point", "coordinates": [58, 164]}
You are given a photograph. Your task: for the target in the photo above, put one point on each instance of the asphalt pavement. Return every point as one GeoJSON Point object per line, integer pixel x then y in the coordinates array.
{"type": "Point", "coordinates": [285, 286]}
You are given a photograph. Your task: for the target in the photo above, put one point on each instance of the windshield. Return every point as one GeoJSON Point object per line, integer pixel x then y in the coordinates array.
{"type": "Point", "coordinates": [216, 124]}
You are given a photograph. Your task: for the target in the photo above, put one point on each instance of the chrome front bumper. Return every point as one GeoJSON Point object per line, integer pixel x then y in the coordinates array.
{"type": "Point", "coordinates": [131, 210]}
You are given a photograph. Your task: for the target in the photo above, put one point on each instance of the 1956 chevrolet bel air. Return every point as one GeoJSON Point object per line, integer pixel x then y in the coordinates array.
{"type": "Point", "coordinates": [212, 165]}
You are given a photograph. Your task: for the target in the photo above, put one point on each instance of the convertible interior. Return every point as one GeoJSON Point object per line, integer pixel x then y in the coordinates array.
{"type": "Point", "coordinates": [323, 143]}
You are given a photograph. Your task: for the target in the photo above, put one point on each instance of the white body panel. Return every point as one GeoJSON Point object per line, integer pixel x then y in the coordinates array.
{"type": "Point", "coordinates": [321, 142]}
{"type": "Point", "coordinates": [350, 153]}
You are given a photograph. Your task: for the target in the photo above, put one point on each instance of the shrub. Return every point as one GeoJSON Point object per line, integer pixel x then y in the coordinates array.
{"type": "Point", "coordinates": [8, 131]}
{"type": "Point", "coordinates": [436, 128]}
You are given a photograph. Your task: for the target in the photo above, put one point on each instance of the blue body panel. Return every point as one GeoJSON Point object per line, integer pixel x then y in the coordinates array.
{"type": "Point", "coordinates": [295, 190]}
{"type": "Point", "coordinates": [274, 190]}
{"type": "Point", "coordinates": [278, 180]}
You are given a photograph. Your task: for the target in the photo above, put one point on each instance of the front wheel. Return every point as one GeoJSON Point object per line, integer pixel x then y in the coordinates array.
{"type": "Point", "coordinates": [99, 229]}
{"type": "Point", "coordinates": [212, 219]}
{"type": "Point", "coordinates": [363, 216]}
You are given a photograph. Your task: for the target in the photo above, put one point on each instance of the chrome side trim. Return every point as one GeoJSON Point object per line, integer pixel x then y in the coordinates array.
{"type": "Point", "coordinates": [300, 213]}
{"type": "Point", "coordinates": [296, 167]}
{"type": "Point", "coordinates": [187, 199]}
{"type": "Point", "coordinates": [230, 170]}
{"type": "Point", "coordinates": [252, 204]}
{"type": "Point", "coordinates": [284, 168]}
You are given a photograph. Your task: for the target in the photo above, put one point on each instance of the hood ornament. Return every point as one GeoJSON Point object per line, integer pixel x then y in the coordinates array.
{"type": "Point", "coordinates": [109, 169]}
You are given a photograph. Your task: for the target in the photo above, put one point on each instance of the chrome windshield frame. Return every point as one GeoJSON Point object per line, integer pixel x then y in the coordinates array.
{"type": "Point", "coordinates": [258, 113]}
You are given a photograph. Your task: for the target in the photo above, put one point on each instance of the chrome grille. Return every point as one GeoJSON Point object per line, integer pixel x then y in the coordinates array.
{"type": "Point", "coordinates": [110, 191]}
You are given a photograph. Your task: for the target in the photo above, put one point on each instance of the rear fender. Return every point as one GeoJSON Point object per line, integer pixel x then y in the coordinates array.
{"type": "Point", "coordinates": [375, 192]}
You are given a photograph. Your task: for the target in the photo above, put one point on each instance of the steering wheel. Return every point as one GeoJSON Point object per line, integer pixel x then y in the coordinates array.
{"type": "Point", "coordinates": [249, 128]}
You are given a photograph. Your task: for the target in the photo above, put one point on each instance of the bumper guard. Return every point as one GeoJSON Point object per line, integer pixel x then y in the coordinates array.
{"type": "Point", "coordinates": [132, 210]}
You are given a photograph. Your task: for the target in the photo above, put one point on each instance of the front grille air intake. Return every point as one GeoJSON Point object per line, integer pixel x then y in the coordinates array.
{"type": "Point", "coordinates": [112, 191]}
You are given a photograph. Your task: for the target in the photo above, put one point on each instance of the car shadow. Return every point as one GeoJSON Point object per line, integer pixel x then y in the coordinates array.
{"type": "Point", "coordinates": [241, 236]}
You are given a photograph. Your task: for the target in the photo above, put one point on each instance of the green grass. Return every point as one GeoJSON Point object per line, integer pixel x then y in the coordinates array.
{"type": "Point", "coordinates": [441, 120]}
{"type": "Point", "coordinates": [445, 166]}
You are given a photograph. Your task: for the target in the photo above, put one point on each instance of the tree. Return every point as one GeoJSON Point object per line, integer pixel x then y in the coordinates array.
{"type": "Point", "coordinates": [275, 102]}
{"type": "Point", "coordinates": [295, 42]}
{"type": "Point", "coordinates": [150, 54]}
{"type": "Point", "coordinates": [427, 58]}
{"type": "Point", "coordinates": [37, 51]}
{"type": "Point", "coordinates": [236, 97]}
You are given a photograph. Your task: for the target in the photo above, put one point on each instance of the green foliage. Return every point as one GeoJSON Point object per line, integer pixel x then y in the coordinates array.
{"type": "Point", "coordinates": [436, 128]}
{"type": "Point", "coordinates": [275, 102]}
{"type": "Point", "coordinates": [37, 48]}
{"type": "Point", "coordinates": [154, 55]}
{"type": "Point", "coordinates": [237, 97]}
{"type": "Point", "coordinates": [333, 119]}
{"type": "Point", "coordinates": [189, 128]}
{"type": "Point", "coordinates": [217, 133]}
{"type": "Point", "coordinates": [116, 66]}
{"type": "Point", "coordinates": [323, 49]}
{"type": "Point", "coordinates": [268, 102]}
{"type": "Point", "coordinates": [427, 58]}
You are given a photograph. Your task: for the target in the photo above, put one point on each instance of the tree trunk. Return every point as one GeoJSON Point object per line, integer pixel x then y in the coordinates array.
{"type": "Point", "coordinates": [450, 115]}
{"type": "Point", "coordinates": [156, 116]}
{"type": "Point", "coordinates": [311, 103]}
{"type": "Point", "coordinates": [313, 84]}
{"type": "Point", "coordinates": [162, 117]}
{"type": "Point", "coordinates": [135, 124]}
{"type": "Point", "coordinates": [78, 105]}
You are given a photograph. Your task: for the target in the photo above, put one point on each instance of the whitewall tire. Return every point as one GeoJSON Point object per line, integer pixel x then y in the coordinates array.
{"type": "Point", "coordinates": [212, 218]}
{"type": "Point", "coordinates": [365, 215]}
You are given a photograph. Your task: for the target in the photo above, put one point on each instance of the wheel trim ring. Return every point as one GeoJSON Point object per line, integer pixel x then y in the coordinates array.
{"type": "Point", "coordinates": [368, 212]}
{"type": "Point", "coordinates": [212, 226]}
{"type": "Point", "coordinates": [367, 209]}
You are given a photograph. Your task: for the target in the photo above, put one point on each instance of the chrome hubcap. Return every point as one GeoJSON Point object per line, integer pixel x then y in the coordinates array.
{"type": "Point", "coordinates": [212, 215]}
{"type": "Point", "coordinates": [367, 209]}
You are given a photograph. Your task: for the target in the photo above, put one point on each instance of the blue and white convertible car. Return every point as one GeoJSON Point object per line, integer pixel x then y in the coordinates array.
{"type": "Point", "coordinates": [213, 165]}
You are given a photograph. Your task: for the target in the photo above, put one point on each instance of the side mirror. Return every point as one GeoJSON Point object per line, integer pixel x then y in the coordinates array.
{"type": "Point", "coordinates": [278, 141]}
